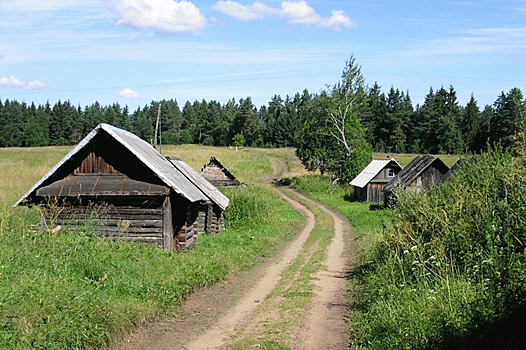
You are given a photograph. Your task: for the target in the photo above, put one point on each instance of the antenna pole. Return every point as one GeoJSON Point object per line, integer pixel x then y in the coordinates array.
{"type": "Point", "coordinates": [157, 127]}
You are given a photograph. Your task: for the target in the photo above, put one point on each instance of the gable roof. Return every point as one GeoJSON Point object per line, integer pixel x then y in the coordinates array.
{"type": "Point", "coordinates": [413, 170]}
{"type": "Point", "coordinates": [163, 168]}
{"type": "Point", "coordinates": [199, 181]}
{"type": "Point", "coordinates": [371, 171]}
{"type": "Point", "coordinates": [225, 172]}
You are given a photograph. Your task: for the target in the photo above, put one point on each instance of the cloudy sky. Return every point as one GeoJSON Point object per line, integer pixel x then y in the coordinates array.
{"type": "Point", "coordinates": [135, 51]}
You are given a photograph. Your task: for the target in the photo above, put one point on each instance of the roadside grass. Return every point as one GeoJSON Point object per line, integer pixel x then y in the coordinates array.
{"type": "Point", "coordinates": [444, 269]}
{"type": "Point", "coordinates": [272, 325]}
{"type": "Point", "coordinates": [74, 290]}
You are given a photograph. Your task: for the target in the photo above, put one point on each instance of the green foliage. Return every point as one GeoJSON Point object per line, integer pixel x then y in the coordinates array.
{"type": "Point", "coordinates": [449, 271]}
{"type": "Point", "coordinates": [249, 205]}
{"type": "Point", "coordinates": [238, 140]}
{"type": "Point", "coordinates": [74, 290]}
{"type": "Point", "coordinates": [333, 139]}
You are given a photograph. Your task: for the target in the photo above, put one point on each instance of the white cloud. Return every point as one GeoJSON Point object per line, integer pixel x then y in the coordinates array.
{"type": "Point", "coordinates": [35, 85]}
{"type": "Point", "coordinates": [296, 12]}
{"type": "Point", "coordinates": [245, 13]}
{"type": "Point", "coordinates": [13, 82]}
{"type": "Point", "coordinates": [162, 15]}
{"type": "Point", "coordinates": [128, 93]}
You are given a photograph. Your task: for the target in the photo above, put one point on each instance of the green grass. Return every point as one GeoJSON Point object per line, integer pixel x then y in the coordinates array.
{"type": "Point", "coordinates": [272, 325]}
{"type": "Point", "coordinates": [73, 290]}
{"type": "Point", "coordinates": [444, 269]}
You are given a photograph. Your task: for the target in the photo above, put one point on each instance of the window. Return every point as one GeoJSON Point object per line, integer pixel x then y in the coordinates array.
{"type": "Point", "coordinates": [390, 173]}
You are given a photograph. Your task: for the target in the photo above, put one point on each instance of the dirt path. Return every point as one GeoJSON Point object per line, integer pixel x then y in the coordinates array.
{"type": "Point", "coordinates": [324, 326]}
{"type": "Point", "coordinates": [235, 317]}
{"type": "Point", "coordinates": [205, 323]}
{"type": "Point", "coordinates": [279, 169]}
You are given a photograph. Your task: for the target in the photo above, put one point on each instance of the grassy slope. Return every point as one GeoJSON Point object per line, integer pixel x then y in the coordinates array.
{"type": "Point", "coordinates": [78, 291]}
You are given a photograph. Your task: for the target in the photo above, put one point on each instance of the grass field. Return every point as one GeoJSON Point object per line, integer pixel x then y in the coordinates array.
{"type": "Point", "coordinates": [76, 291]}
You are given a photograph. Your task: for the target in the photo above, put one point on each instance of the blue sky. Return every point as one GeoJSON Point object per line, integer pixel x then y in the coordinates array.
{"type": "Point", "coordinates": [135, 51]}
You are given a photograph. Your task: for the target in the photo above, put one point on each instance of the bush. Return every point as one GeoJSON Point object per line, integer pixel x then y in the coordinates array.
{"type": "Point", "coordinates": [449, 271]}
{"type": "Point", "coordinates": [248, 205]}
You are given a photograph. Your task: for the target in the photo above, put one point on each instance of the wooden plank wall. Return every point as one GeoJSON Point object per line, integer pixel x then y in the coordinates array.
{"type": "Point", "coordinates": [94, 164]}
{"type": "Point", "coordinates": [375, 192]}
{"type": "Point", "coordinates": [129, 224]}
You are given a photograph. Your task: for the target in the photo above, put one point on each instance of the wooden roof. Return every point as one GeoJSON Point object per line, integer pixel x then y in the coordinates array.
{"type": "Point", "coordinates": [225, 174]}
{"type": "Point", "coordinates": [413, 170]}
{"type": "Point", "coordinates": [163, 169]}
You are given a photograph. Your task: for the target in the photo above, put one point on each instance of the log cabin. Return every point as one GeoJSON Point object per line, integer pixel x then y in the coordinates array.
{"type": "Point", "coordinates": [218, 175]}
{"type": "Point", "coordinates": [369, 184]}
{"type": "Point", "coordinates": [419, 175]}
{"type": "Point", "coordinates": [129, 191]}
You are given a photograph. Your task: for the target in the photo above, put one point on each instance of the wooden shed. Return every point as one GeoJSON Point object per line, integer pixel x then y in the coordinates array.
{"type": "Point", "coordinates": [369, 184]}
{"type": "Point", "coordinates": [128, 190]}
{"type": "Point", "coordinates": [419, 175]}
{"type": "Point", "coordinates": [218, 175]}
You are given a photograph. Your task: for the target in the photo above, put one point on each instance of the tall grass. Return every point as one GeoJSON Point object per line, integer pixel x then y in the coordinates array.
{"type": "Point", "coordinates": [449, 271]}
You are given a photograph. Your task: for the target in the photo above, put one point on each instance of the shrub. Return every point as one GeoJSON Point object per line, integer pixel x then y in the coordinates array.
{"type": "Point", "coordinates": [449, 271]}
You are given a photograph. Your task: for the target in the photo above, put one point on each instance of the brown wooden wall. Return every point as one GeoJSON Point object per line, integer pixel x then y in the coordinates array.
{"type": "Point", "coordinates": [428, 178]}
{"type": "Point", "coordinates": [115, 222]}
{"type": "Point", "coordinates": [94, 164]}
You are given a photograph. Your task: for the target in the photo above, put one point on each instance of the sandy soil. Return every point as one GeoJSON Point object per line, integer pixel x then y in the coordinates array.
{"type": "Point", "coordinates": [324, 325]}
{"type": "Point", "coordinates": [210, 316]}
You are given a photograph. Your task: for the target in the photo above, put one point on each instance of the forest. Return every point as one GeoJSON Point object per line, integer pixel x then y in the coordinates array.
{"type": "Point", "coordinates": [391, 123]}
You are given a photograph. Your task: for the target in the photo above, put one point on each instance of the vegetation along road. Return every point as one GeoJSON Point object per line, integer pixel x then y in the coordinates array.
{"type": "Point", "coordinates": [306, 281]}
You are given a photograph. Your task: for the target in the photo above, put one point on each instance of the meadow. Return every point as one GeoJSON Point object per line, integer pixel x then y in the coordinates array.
{"type": "Point", "coordinates": [443, 269]}
{"type": "Point", "coordinates": [73, 290]}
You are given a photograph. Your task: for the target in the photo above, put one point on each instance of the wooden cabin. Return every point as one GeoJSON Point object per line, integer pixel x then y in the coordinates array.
{"type": "Point", "coordinates": [128, 190]}
{"type": "Point", "coordinates": [420, 175]}
{"type": "Point", "coordinates": [218, 175]}
{"type": "Point", "coordinates": [369, 184]}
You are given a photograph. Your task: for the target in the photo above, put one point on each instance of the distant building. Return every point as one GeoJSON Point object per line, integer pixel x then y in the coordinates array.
{"type": "Point", "coordinates": [419, 175]}
{"type": "Point", "coordinates": [129, 191]}
{"type": "Point", "coordinates": [218, 175]}
{"type": "Point", "coordinates": [369, 184]}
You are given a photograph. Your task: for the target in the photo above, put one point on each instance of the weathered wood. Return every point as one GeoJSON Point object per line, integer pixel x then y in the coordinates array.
{"type": "Point", "coordinates": [167, 225]}
{"type": "Point", "coordinates": [121, 230]}
{"type": "Point", "coordinates": [114, 222]}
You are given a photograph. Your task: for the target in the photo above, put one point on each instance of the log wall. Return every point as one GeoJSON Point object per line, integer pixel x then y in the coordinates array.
{"type": "Point", "coordinates": [124, 223]}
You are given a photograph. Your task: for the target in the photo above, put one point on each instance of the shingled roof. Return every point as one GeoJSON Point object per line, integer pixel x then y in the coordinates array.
{"type": "Point", "coordinates": [413, 170]}
{"type": "Point", "coordinates": [172, 174]}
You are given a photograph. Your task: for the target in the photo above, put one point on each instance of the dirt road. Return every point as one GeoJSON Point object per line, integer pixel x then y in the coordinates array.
{"type": "Point", "coordinates": [324, 325]}
{"type": "Point", "coordinates": [204, 323]}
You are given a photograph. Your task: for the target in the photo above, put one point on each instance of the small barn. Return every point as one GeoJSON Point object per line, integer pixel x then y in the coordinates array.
{"type": "Point", "coordinates": [218, 175]}
{"type": "Point", "coordinates": [419, 175]}
{"type": "Point", "coordinates": [128, 190]}
{"type": "Point", "coordinates": [369, 184]}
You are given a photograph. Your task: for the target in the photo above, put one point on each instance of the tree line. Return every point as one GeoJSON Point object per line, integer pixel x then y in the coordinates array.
{"type": "Point", "coordinates": [388, 120]}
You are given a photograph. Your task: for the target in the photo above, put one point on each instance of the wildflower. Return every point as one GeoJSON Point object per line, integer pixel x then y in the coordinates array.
{"type": "Point", "coordinates": [414, 247]}
{"type": "Point", "coordinates": [406, 251]}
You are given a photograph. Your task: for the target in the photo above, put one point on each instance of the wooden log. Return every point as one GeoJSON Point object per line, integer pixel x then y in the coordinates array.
{"type": "Point", "coordinates": [124, 224]}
